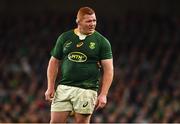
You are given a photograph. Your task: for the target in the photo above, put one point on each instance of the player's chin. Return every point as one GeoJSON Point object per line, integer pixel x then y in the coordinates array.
{"type": "Point", "coordinates": [91, 31]}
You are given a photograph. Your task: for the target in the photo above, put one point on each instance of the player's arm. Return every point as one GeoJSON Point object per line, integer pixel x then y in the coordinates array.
{"type": "Point", "coordinates": [107, 78]}
{"type": "Point", "coordinates": [53, 66]}
{"type": "Point", "coordinates": [52, 72]}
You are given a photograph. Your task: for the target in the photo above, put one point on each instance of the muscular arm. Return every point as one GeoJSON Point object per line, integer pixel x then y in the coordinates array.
{"type": "Point", "coordinates": [52, 72]}
{"type": "Point", "coordinates": [107, 78]}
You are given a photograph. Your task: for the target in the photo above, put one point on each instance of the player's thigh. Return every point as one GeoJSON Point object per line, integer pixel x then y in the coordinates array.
{"type": "Point", "coordinates": [84, 101]}
{"type": "Point", "coordinates": [61, 101]}
{"type": "Point", "coordinates": [59, 117]}
{"type": "Point", "coordinates": [82, 118]}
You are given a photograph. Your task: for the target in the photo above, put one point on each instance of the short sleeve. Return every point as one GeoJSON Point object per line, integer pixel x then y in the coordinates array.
{"type": "Point", "coordinates": [105, 51]}
{"type": "Point", "coordinates": [57, 51]}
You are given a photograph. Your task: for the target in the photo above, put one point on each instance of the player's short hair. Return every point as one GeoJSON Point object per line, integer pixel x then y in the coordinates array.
{"type": "Point", "coordinates": [84, 11]}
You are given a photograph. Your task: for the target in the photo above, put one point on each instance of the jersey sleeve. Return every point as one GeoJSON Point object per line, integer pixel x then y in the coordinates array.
{"type": "Point", "coordinates": [105, 51]}
{"type": "Point", "coordinates": [57, 51]}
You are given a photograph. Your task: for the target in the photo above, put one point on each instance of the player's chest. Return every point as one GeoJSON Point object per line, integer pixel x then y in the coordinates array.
{"type": "Point", "coordinates": [87, 46]}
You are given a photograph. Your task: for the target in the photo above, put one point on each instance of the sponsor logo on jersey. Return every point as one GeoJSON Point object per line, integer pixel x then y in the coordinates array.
{"type": "Point", "coordinates": [79, 44]}
{"type": "Point", "coordinates": [77, 57]}
{"type": "Point", "coordinates": [92, 45]}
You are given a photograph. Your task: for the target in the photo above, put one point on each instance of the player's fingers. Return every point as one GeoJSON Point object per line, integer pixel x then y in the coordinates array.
{"type": "Point", "coordinates": [97, 101]}
{"type": "Point", "coordinates": [97, 107]}
{"type": "Point", "coordinates": [100, 105]}
{"type": "Point", "coordinates": [97, 104]}
{"type": "Point", "coordinates": [48, 97]}
{"type": "Point", "coordinates": [51, 95]}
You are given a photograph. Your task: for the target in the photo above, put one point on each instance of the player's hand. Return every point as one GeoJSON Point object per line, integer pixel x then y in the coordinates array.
{"type": "Point", "coordinates": [49, 94]}
{"type": "Point", "coordinates": [101, 101]}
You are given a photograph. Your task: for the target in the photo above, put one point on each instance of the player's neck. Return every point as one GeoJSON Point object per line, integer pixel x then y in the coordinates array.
{"type": "Point", "coordinates": [79, 34]}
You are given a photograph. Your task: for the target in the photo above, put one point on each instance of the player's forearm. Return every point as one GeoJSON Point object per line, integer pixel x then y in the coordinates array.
{"type": "Point", "coordinates": [52, 72]}
{"type": "Point", "coordinates": [106, 80]}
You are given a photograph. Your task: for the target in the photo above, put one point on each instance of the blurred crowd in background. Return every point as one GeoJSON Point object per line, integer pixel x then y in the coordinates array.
{"type": "Point", "coordinates": [146, 65]}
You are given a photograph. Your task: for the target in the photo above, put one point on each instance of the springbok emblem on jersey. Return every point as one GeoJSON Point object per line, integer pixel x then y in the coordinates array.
{"type": "Point", "coordinates": [92, 45]}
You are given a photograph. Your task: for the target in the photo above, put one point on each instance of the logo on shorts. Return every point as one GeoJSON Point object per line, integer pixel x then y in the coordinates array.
{"type": "Point", "coordinates": [85, 104]}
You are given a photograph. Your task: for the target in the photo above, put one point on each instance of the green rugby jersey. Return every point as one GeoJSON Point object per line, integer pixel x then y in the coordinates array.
{"type": "Point", "coordinates": [79, 58]}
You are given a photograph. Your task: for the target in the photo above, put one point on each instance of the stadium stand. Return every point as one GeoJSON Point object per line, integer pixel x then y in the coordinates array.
{"type": "Point", "coordinates": [146, 59]}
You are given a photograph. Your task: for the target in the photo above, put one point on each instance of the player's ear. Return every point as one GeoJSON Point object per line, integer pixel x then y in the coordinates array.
{"type": "Point", "coordinates": [77, 21]}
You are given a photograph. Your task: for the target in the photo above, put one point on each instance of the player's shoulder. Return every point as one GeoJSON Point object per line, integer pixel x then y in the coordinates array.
{"type": "Point", "coordinates": [67, 33]}
{"type": "Point", "coordinates": [99, 36]}
{"type": "Point", "coordinates": [64, 36]}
